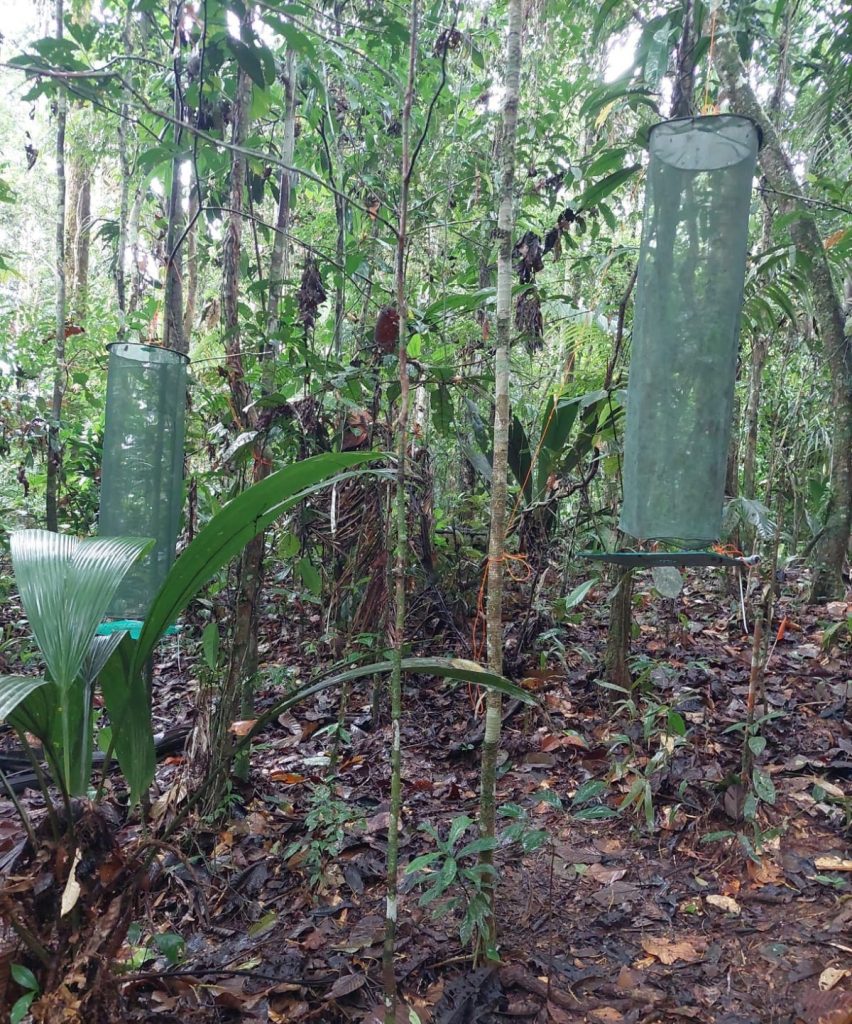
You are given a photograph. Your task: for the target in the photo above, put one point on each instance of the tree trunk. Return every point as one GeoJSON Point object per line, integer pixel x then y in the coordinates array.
{"type": "Point", "coordinates": [191, 301]}
{"type": "Point", "coordinates": [136, 257]}
{"type": "Point", "coordinates": [400, 560]}
{"type": "Point", "coordinates": [684, 84]}
{"type": "Point", "coordinates": [54, 450]}
{"type": "Point", "coordinates": [78, 220]}
{"type": "Point", "coordinates": [82, 244]}
{"type": "Point", "coordinates": [124, 200]}
{"type": "Point", "coordinates": [616, 665]}
{"type": "Point", "coordinates": [830, 552]}
{"type": "Point", "coordinates": [173, 313]}
{"type": "Point", "coordinates": [497, 538]}
{"type": "Point", "coordinates": [759, 352]}
{"type": "Point", "coordinates": [243, 660]}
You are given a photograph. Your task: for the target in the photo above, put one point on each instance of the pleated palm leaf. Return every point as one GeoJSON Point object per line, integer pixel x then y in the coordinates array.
{"type": "Point", "coordinates": [66, 585]}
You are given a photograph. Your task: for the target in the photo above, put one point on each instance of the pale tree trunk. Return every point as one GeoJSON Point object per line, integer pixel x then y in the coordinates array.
{"type": "Point", "coordinates": [830, 551]}
{"type": "Point", "coordinates": [136, 254]}
{"type": "Point", "coordinates": [499, 472]}
{"type": "Point", "coordinates": [760, 343]}
{"type": "Point", "coordinates": [279, 269]}
{"type": "Point", "coordinates": [124, 200]}
{"type": "Point", "coordinates": [54, 451]}
{"type": "Point", "coordinates": [245, 658]}
{"type": "Point", "coordinates": [400, 561]}
{"type": "Point", "coordinates": [173, 313]}
{"type": "Point", "coordinates": [243, 662]}
{"type": "Point", "coordinates": [759, 352]}
{"type": "Point", "coordinates": [191, 266]}
{"type": "Point", "coordinates": [78, 223]}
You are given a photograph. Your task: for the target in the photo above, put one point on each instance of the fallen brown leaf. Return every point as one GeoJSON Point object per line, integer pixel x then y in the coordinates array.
{"type": "Point", "coordinates": [667, 951]}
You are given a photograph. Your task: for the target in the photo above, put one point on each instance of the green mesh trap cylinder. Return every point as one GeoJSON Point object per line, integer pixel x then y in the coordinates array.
{"type": "Point", "coordinates": [689, 294]}
{"type": "Point", "coordinates": [142, 468]}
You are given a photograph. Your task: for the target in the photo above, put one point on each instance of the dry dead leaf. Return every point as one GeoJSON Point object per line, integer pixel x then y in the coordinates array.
{"type": "Point", "coordinates": [606, 1015]}
{"type": "Point", "coordinates": [345, 985]}
{"type": "Point", "coordinates": [287, 778]}
{"type": "Point", "coordinates": [606, 876]}
{"type": "Point", "coordinates": [833, 863]}
{"type": "Point", "coordinates": [72, 888]}
{"type": "Point", "coordinates": [556, 1015]}
{"type": "Point", "coordinates": [830, 977]}
{"type": "Point", "coordinates": [726, 903]}
{"type": "Point", "coordinates": [767, 872]}
{"type": "Point", "coordinates": [667, 951]}
{"type": "Point", "coordinates": [244, 727]}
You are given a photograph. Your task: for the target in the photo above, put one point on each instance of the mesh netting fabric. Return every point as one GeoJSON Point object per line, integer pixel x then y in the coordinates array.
{"type": "Point", "coordinates": [142, 469]}
{"type": "Point", "coordinates": [684, 349]}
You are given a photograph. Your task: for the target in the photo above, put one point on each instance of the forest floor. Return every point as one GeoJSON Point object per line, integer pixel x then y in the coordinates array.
{"type": "Point", "coordinates": [274, 910]}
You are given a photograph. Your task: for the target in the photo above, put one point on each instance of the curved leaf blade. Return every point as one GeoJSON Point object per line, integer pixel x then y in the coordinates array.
{"type": "Point", "coordinates": [66, 585]}
{"type": "Point", "coordinates": [14, 690]}
{"type": "Point", "coordinates": [230, 530]}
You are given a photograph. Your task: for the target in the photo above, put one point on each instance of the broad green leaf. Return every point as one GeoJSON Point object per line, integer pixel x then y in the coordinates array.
{"type": "Point", "coordinates": [442, 409]}
{"type": "Point", "coordinates": [210, 644]}
{"type": "Point", "coordinates": [477, 846]}
{"type": "Point", "coordinates": [309, 576]}
{"type": "Point", "coordinates": [764, 787]}
{"type": "Point", "coordinates": [248, 60]}
{"type": "Point", "coordinates": [601, 189]}
{"type": "Point", "coordinates": [24, 977]}
{"type": "Point", "coordinates": [520, 457]}
{"type": "Point", "coordinates": [15, 689]}
{"type": "Point", "coordinates": [21, 1007]}
{"type": "Point", "coordinates": [598, 813]}
{"type": "Point", "coordinates": [127, 700]}
{"type": "Point", "coordinates": [423, 861]}
{"type": "Point", "coordinates": [676, 723]}
{"type": "Point", "coordinates": [458, 827]}
{"type": "Point", "coordinates": [757, 744]}
{"type": "Point", "coordinates": [171, 945]}
{"type": "Point", "coordinates": [588, 791]}
{"type": "Point", "coordinates": [577, 595]}
{"type": "Point", "coordinates": [296, 40]}
{"type": "Point", "coordinates": [607, 161]}
{"type": "Point", "coordinates": [66, 585]}
{"type": "Point", "coordinates": [463, 300]}
{"type": "Point", "coordinates": [447, 874]}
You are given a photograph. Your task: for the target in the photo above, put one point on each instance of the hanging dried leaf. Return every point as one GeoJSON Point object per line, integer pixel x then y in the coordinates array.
{"type": "Point", "coordinates": [528, 320]}
{"type": "Point", "coordinates": [311, 294]}
{"type": "Point", "coordinates": [387, 330]}
{"type": "Point", "coordinates": [449, 39]}
{"type": "Point", "coordinates": [529, 253]}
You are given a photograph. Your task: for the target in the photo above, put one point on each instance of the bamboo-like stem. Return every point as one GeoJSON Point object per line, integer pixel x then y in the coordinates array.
{"type": "Point", "coordinates": [499, 481]}
{"type": "Point", "coordinates": [54, 451]}
{"type": "Point", "coordinates": [401, 540]}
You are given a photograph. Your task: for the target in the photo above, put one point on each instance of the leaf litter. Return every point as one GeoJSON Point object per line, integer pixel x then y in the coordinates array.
{"type": "Point", "coordinates": [614, 919]}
